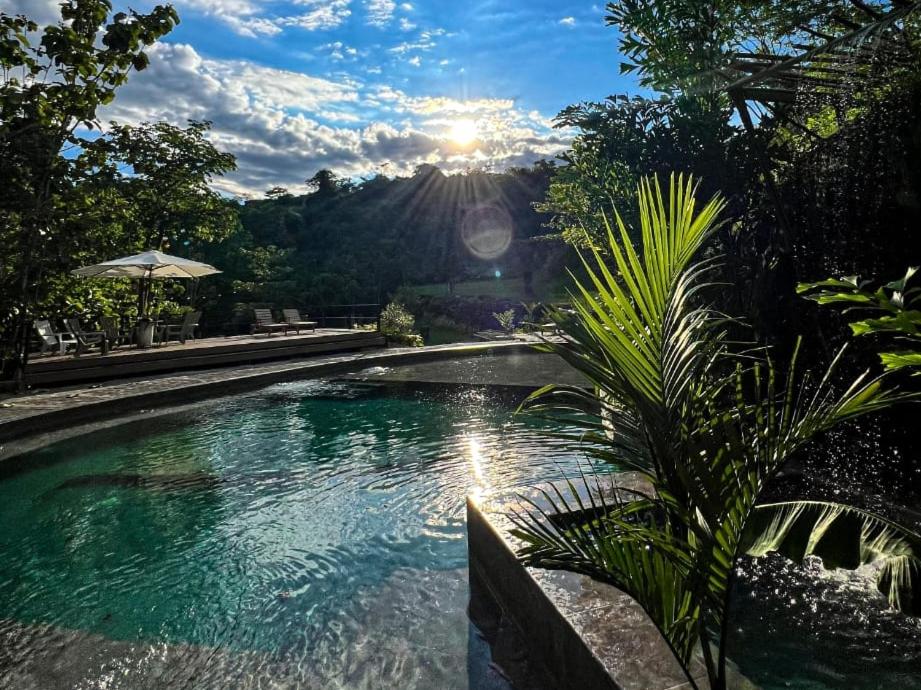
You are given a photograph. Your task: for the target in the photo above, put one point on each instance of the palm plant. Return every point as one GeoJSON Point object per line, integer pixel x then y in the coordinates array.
{"type": "Point", "coordinates": [707, 425]}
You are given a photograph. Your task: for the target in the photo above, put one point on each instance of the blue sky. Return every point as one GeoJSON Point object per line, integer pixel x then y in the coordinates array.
{"type": "Point", "coordinates": [365, 86]}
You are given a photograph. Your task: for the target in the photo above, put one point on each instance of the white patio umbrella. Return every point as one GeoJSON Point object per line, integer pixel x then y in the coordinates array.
{"type": "Point", "coordinates": [147, 267]}
{"type": "Point", "coordinates": [152, 265]}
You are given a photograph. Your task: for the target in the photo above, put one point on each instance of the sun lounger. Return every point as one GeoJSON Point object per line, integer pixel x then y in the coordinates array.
{"type": "Point", "coordinates": [85, 339]}
{"type": "Point", "coordinates": [182, 331]}
{"type": "Point", "coordinates": [266, 323]}
{"type": "Point", "coordinates": [51, 339]}
{"type": "Point", "coordinates": [294, 320]}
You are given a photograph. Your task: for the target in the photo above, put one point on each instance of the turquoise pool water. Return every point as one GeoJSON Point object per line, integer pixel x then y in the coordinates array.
{"type": "Point", "coordinates": [310, 535]}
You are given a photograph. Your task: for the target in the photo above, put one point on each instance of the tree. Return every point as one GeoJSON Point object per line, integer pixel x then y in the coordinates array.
{"type": "Point", "coordinates": [164, 173]}
{"type": "Point", "coordinates": [327, 183]}
{"type": "Point", "coordinates": [278, 193]}
{"type": "Point", "coordinates": [625, 138]}
{"type": "Point", "coordinates": [49, 96]}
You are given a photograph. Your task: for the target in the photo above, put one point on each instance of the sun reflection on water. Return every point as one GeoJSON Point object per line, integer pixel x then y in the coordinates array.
{"type": "Point", "coordinates": [480, 489]}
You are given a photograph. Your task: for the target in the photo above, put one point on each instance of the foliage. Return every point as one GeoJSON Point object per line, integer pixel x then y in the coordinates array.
{"type": "Point", "coordinates": [399, 325]}
{"type": "Point", "coordinates": [327, 183]}
{"type": "Point", "coordinates": [164, 174]}
{"type": "Point", "coordinates": [625, 138]}
{"type": "Point", "coordinates": [707, 426]}
{"type": "Point", "coordinates": [897, 304]}
{"type": "Point", "coordinates": [829, 184]}
{"type": "Point", "coordinates": [361, 243]}
{"type": "Point", "coordinates": [506, 320]}
{"type": "Point", "coordinates": [680, 46]}
{"type": "Point", "coordinates": [49, 96]}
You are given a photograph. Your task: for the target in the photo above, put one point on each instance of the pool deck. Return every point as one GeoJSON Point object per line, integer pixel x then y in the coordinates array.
{"type": "Point", "coordinates": [194, 354]}
{"type": "Point", "coordinates": [36, 414]}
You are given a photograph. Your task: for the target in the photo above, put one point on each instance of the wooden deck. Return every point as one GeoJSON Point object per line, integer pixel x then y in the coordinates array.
{"type": "Point", "coordinates": [196, 354]}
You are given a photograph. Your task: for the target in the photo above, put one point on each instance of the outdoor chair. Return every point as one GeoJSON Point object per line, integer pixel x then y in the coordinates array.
{"type": "Point", "coordinates": [85, 339]}
{"type": "Point", "coordinates": [111, 326]}
{"type": "Point", "coordinates": [293, 319]}
{"type": "Point", "coordinates": [182, 331]}
{"type": "Point", "coordinates": [266, 323]}
{"type": "Point", "coordinates": [52, 340]}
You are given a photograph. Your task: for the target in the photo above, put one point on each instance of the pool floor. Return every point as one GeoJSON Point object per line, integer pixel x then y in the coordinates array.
{"type": "Point", "coordinates": [309, 535]}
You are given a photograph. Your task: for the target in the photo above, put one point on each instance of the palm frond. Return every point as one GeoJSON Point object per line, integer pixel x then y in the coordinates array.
{"type": "Point", "coordinates": [843, 537]}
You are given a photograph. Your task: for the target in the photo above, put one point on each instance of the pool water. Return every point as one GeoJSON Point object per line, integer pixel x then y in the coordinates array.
{"type": "Point", "coordinates": [312, 535]}
{"type": "Point", "coordinates": [309, 535]}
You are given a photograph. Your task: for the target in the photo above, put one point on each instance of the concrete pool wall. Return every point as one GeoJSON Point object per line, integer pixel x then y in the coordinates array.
{"type": "Point", "coordinates": [574, 632]}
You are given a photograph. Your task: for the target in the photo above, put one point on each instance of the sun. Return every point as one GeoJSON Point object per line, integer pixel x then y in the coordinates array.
{"type": "Point", "coordinates": [463, 132]}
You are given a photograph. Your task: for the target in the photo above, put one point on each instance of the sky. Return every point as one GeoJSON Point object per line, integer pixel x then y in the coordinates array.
{"type": "Point", "coordinates": [370, 86]}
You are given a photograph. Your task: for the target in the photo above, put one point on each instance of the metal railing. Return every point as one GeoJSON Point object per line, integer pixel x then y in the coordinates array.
{"type": "Point", "coordinates": [346, 315]}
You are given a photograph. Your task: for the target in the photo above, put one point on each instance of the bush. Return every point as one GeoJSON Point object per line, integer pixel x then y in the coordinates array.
{"type": "Point", "coordinates": [399, 325]}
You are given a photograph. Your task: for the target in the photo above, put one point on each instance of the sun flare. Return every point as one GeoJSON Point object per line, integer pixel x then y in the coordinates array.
{"type": "Point", "coordinates": [463, 132]}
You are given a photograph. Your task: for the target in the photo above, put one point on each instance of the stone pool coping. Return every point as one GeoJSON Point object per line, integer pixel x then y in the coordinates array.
{"type": "Point", "coordinates": [570, 631]}
{"type": "Point", "coordinates": [32, 415]}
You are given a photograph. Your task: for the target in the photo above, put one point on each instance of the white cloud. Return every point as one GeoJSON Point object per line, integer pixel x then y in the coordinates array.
{"type": "Point", "coordinates": [415, 61]}
{"type": "Point", "coordinates": [406, 25]}
{"type": "Point", "coordinates": [249, 18]}
{"type": "Point", "coordinates": [42, 12]}
{"type": "Point", "coordinates": [283, 126]}
{"type": "Point", "coordinates": [380, 12]}
{"type": "Point", "coordinates": [568, 21]}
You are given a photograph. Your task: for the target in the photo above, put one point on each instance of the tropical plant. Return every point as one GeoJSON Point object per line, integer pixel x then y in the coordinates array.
{"type": "Point", "coordinates": [505, 319]}
{"type": "Point", "coordinates": [706, 424]}
{"type": "Point", "coordinates": [897, 306]}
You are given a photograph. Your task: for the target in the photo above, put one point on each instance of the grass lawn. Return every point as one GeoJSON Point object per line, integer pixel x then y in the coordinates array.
{"type": "Point", "coordinates": [499, 288]}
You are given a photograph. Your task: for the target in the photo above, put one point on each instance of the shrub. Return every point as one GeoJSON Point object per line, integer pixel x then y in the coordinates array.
{"type": "Point", "coordinates": [399, 325]}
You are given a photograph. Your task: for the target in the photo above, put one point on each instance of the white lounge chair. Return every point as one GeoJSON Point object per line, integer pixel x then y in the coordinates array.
{"type": "Point", "coordinates": [51, 339]}
{"type": "Point", "coordinates": [181, 331]}
{"type": "Point", "coordinates": [86, 339]}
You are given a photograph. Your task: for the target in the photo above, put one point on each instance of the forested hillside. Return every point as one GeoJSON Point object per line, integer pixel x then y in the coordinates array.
{"type": "Point", "coordinates": [355, 243]}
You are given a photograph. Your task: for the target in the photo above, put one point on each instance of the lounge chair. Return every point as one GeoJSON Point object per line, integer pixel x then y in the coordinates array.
{"type": "Point", "coordinates": [114, 333]}
{"type": "Point", "coordinates": [266, 323]}
{"type": "Point", "coordinates": [183, 331]}
{"type": "Point", "coordinates": [85, 339]}
{"type": "Point", "coordinates": [51, 339]}
{"type": "Point", "coordinates": [293, 319]}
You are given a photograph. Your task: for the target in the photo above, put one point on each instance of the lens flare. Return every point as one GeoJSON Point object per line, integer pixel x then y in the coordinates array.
{"type": "Point", "coordinates": [487, 231]}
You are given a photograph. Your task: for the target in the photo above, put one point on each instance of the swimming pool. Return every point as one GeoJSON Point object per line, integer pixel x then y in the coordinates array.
{"type": "Point", "coordinates": [311, 533]}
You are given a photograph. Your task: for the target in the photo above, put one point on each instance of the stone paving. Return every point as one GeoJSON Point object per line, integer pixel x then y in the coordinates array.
{"type": "Point", "coordinates": [19, 415]}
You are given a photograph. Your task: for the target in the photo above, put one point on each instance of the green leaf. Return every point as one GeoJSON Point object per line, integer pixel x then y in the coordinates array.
{"type": "Point", "coordinates": [843, 537]}
{"type": "Point", "coordinates": [900, 360]}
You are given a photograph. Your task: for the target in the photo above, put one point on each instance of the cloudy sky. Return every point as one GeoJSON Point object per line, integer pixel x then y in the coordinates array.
{"type": "Point", "coordinates": [366, 86]}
